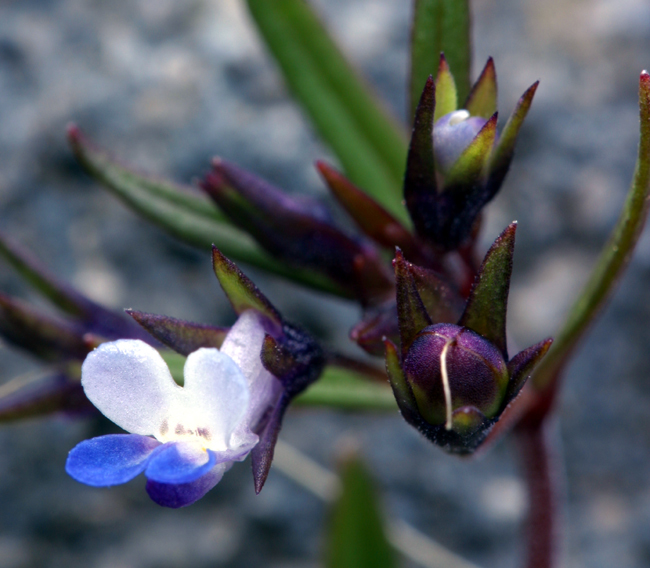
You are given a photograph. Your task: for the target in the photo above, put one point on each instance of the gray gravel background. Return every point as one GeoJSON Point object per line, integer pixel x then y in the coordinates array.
{"type": "Point", "coordinates": [167, 84]}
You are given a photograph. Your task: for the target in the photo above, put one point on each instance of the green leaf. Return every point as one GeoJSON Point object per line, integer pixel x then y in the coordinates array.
{"type": "Point", "coordinates": [343, 388]}
{"type": "Point", "coordinates": [370, 146]}
{"type": "Point", "coordinates": [357, 537]}
{"type": "Point", "coordinates": [613, 259]}
{"type": "Point", "coordinates": [183, 215]}
{"type": "Point", "coordinates": [440, 26]}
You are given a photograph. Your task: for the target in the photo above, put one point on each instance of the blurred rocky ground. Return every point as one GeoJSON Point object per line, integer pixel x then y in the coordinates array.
{"type": "Point", "coordinates": [167, 84]}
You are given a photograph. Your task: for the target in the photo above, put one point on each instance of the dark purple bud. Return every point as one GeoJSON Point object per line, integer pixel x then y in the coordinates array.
{"type": "Point", "coordinates": [296, 232]}
{"type": "Point", "coordinates": [452, 134]}
{"type": "Point", "coordinates": [449, 367]}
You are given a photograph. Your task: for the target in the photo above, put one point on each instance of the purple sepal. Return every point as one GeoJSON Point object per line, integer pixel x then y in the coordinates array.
{"type": "Point", "coordinates": [184, 337]}
{"type": "Point", "coordinates": [262, 454]}
{"type": "Point", "coordinates": [110, 460]}
{"type": "Point", "coordinates": [180, 463]}
{"type": "Point", "coordinates": [183, 494]}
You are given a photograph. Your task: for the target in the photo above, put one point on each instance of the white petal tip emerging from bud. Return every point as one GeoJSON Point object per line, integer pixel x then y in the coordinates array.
{"type": "Point", "coordinates": [458, 116]}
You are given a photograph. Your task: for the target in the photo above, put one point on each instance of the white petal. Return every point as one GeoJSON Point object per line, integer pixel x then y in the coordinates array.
{"type": "Point", "coordinates": [244, 344]}
{"type": "Point", "coordinates": [215, 399]}
{"type": "Point", "coordinates": [128, 381]}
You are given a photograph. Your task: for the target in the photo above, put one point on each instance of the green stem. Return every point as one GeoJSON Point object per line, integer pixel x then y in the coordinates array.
{"type": "Point", "coordinates": [613, 259]}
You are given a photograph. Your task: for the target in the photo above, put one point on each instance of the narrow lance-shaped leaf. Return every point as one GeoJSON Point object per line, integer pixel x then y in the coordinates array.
{"type": "Point", "coordinates": [482, 99]}
{"type": "Point", "coordinates": [369, 215]}
{"type": "Point", "coordinates": [357, 536]}
{"type": "Point", "coordinates": [367, 142]}
{"type": "Point", "coordinates": [485, 312]}
{"type": "Point", "coordinates": [440, 26]}
{"type": "Point", "coordinates": [505, 148]}
{"type": "Point", "coordinates": [411, 313]}
{"type": "Point", "coordinates": [181, 220]}
{"type": "Point", "coordinates": [92, 316]}
{"type": "Point", "coordinates": [240, 290]}
{"type": "Point", "coordinates": [46, 337]}
{"type": "Point", "coordinates": [122, 178]}
{"type": "Point", "coordinates": [184, 337]}
{"type": "Point", "coordinates": [43, 394]}
{"type": "Point", "coordinates": [446, 94]}
{"type": "Point", "coordinates": [613, 259]}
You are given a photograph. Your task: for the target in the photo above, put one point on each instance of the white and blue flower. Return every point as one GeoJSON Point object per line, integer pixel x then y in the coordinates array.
{"type": "Point", "coordinates": [183, 438]}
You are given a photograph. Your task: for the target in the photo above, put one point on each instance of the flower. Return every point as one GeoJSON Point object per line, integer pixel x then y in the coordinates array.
{"type": "Point", "coordinates": [183, 438]}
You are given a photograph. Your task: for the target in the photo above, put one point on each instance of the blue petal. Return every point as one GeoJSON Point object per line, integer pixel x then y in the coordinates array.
{"type": "Point", "coordinates": [183, 494]}
{"type": "Point", "coordinates": [110, 460]}
{"type": "Point", "coordinates": [180, 462]}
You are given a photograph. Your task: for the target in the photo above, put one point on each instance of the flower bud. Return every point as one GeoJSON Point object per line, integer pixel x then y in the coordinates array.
{"type": "Point", "coordinates": [452, 134]}
{"type": "Point", "coordinates": [449, 367]}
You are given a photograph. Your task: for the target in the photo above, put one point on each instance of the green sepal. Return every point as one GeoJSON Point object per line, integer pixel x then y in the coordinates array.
{"type": "Point", "coordinates": [184, 337]}
{"type": "Point", "coordinates": [411, 313]}
{"type": "Point", "coordinates": [505, 147]}
{"type": "Point", "coordinates": [446, 94]}
{"type": "Point", "coordinates": [470, 167]}
{"type": "Point", "coordinates": [485, 311]}
{"type": "Point", "coordinates": [482, 99]}
{"type": "Point", "coordinates": [441, 301]}
{"type": "Point", "coordinates": [522, 365]}
{"type": "Point", "coordinates": [401, 389]}
{"type": "Point", "coordinates": [240, 290]}
{"type": "Point", "coordinates": [420, 188]}
{"type": "Point", "coordinates": [466, 420]}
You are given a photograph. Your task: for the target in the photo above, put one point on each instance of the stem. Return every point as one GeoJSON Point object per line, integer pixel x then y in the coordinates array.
{"type": "Point", "coordinates": [537, 449]}
{"type": "Point", "coordinates": [613, 259]}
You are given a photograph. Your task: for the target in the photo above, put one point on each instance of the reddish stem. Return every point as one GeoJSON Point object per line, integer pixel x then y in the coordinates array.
{"type": "Point", "coordinates": [540, 463]}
